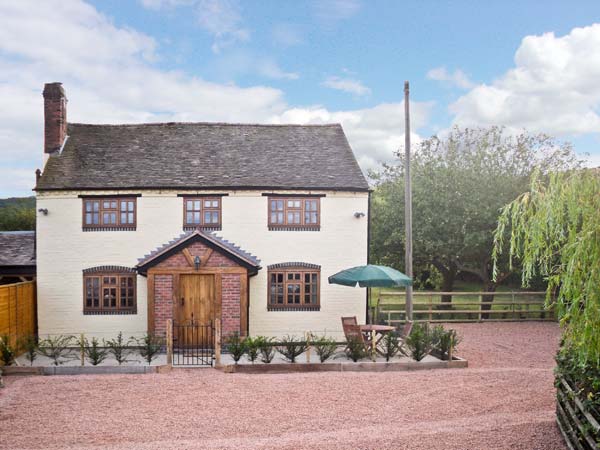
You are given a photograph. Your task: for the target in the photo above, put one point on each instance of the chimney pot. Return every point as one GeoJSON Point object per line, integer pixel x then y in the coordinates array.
{"type": "Point", "coordinates": [55, 117]}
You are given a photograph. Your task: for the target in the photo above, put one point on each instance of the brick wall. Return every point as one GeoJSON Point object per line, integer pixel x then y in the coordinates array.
{"type": "Point", "coordinates": [230, 308]}
{"type": "Point", "coordinates": [163, 302]}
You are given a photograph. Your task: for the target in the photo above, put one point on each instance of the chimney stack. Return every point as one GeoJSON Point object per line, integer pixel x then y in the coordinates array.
{"type": "Point", "coordinates": [55, 117]}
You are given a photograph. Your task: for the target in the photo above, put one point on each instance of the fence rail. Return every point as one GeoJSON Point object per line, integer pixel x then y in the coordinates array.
{"type": "Point", "coordinates": [464, 307]}
{"type": "Point", "coordinates": [18, 310]}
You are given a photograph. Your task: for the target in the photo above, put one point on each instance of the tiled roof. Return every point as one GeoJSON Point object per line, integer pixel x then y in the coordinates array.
{"type": "Point", "coordinates": [17, 248]}
{"type": "Point", "coordinates": [206, 236]}
{"type": "Point", "coordinates": [202, 156]}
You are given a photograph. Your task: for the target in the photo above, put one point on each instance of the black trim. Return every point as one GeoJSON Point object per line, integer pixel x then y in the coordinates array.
{"type": "Point", "coordinates": [278, 194]}
{"type": "Point", "coordinates": [208, 188]}
{"type": "Point", "coordinates": [192, 228]}
{"type": "Point", "coordinates": [294, 308]}
{"type": "Point", "coordinates": [203, 195]}
{"type": "Point", "coordinates": [108, 269]}
{"type": "Point", "coordinates": [89, 229]}
{"type": "Point", "coordinates": [108, 195]}
{"type": "Point", "coordinates": [18, 270]}
{"type": "Point", "coordinates": [297, 264]}
{"type": "Point", "coordinates": [252, 269]}
{"type": "Point", "coordinates": [110, 313]}
{"type": "Point", "coordinates": [293, 228]}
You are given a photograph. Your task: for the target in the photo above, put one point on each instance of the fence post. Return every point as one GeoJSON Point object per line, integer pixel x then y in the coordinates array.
{"type": "Point", "coordinates": [373, 346]}
{"type": "Point", "coordinates": [307, 337]}
{"type": "Point", "coordinates": [480, 306]}
{"type": "Point", "coordinates": [430, 307]}
{"type": "Point", "coordinates": [82, 349]}
{"type": "Point", "coordinates": [169, 342]}
{"type": "Point", "coordinates": [217, 342]}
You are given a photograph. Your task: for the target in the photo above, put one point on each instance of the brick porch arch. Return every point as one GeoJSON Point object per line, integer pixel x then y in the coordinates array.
{"type": "Point", "coordinates": [199, 253]}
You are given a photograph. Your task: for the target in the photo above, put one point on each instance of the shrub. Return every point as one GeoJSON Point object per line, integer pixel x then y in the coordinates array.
{"type": "Point", "coordinates": [56, 347]}
{"type": "Point", "coordinates": [444, 341]}
{"type": "Point", "coordinates": [419, 341]}
{"type": "Point", "coordinates": [236, 346]}
{"type": "Point", "coordinates": [290, 349]}
{"type": "Point", "coordinates": [29, 344]}
{"type": "Point", "coordinates": [355, 349]}
{"type": "Point", "coordinates": [119, 348]}
{"type": "Point", "coordinates": [149, 346]}
{"type": "Point", "coordinates": [94, 352]}
{"type": "Point", "coordinates": [252, 348]}
{"type": "Point", "coordinates": [324, 347]}
{"type": "Point", "coordinates": [391, 346]}
{"type": "Point", "coordinates": [7, 353]}
{"type": "Point", "coordinates": [267, 350]}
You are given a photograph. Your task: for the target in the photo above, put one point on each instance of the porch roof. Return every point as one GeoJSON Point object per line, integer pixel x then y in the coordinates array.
{"type": "Point", "coordinates": [245, 259]}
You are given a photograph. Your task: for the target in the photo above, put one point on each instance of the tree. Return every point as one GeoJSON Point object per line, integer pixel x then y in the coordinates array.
{"type": "Point", "coordinates": [17, 214]}
{"type": "Point", "coordinates": [554, 230]}
{"type": "Point", "coordinates": [459, 183]}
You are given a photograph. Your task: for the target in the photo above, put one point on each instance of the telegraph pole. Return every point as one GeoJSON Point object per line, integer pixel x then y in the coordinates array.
{"type": "Point", "coordinates": [407, 204]}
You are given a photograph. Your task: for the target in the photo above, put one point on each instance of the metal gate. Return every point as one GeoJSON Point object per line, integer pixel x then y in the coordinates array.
{"type": "Point", "coordinates": [193, 344]}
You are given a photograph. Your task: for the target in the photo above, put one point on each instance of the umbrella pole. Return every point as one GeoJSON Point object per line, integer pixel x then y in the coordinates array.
{"type": "Point", "coordinates": [407, 205]}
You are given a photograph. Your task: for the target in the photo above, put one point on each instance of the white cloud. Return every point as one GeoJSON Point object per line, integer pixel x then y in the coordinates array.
{"type": "Point", "coordinates": [331, 11]}
{"type": "Point", "coordinates": [222, 18]}
{"type": "Point", "coordinates": [286, 34]}
{"type": "Point", "coordinates": [271, 69]}
{"type": "Point", "coordinates": [160, 4]}
{"type": "Point", "coordinates": [553, 87]}
{"type": "Point", "coordinates": [457, 78]}
{"type": "Point", "coordinates": [117, 83]}
{"type": "Point", "coordinates": [349, 85]}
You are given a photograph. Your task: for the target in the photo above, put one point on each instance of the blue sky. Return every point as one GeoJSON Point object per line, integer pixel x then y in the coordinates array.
{"type": "Point", "coordinates": [523, 64]}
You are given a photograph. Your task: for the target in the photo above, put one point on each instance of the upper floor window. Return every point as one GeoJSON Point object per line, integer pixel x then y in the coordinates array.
{"type": "Point", "coordinates": [294, 213]}
{"type": "Point", "coordinates": [109, 292]}
{"type": "Point", "coordinates": [109, 213]}
{"type": "Point", "coordinates": [294, 286]}
{"type": "Point", "coordinates": [204, 212]}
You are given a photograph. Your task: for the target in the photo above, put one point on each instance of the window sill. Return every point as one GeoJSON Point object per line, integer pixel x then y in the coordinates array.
{"type": "Point", "coordinates": [192, 228]}
{"type": "Point", "coordinates": [86, 229]}
{"type": "Point", "coordinates": [293, 308]}
{"type": "Point", "coordinates": [109, 313]}
{"type": "Point", "coordinates": [293, 228]}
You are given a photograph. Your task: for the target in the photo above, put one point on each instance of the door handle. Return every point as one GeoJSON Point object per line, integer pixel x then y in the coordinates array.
{"type": "Point", "coordinates": [182, 301]}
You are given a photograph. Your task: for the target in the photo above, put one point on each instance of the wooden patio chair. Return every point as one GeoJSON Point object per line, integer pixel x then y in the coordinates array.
{"type": "Point", "coordinates": [352, 331]}
{"type": "Point", "coordinates": [404, 333]}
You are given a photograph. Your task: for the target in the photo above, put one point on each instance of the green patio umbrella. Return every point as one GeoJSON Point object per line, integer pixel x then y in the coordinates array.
{"type": "Point", "coordinates": [370, 276]}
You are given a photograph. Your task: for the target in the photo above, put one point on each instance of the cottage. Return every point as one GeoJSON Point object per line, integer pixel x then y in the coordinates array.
{"type": "Point", "coordinates": [138, 224]}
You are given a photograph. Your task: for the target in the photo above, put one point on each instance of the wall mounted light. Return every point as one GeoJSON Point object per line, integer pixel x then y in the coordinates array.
{"type": "Point", "coordinates": [44, 211]}
{"type": "Point", "coordinates": [197, 262]}
{"type": "Point", "coordinates": [358, 215]}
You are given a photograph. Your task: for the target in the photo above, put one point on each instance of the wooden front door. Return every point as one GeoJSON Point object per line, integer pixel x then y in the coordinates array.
{"type": "Point", "coordinates": [196, 303]}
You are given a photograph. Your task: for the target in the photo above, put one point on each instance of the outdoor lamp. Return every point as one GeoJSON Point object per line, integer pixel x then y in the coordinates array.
{"type": "Point", "coordinates": [197, 262]}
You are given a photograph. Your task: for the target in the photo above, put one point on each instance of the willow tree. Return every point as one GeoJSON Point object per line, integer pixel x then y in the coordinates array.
{"type": "Point", "coordinates": [554, 231]}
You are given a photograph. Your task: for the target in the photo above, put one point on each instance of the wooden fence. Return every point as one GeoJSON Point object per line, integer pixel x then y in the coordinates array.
{"type": "Point", "coordinates": [465, 307]}
{"type": "Point", "coordinates": [576, 422]}
{"type": "Point", "coordinates": [18, 310]}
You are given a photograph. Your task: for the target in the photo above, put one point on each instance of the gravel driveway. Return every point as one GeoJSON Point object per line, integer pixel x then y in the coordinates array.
{"type": "Point", "coordinates": [505, 400]}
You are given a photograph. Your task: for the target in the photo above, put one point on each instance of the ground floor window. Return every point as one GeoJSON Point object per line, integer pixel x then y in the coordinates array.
{"type": "Point", "coordinates": [294, 287]}
{"type": "Point", "coordinates": [109, 293]}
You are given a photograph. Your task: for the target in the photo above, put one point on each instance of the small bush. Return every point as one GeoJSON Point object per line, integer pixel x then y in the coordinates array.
{"type": "Point", "coordinates": [324, 347]}
{"type": "Point", "coordinates": [56, 347]}
{"type": "Point", "coordinates": [444, 341]}
{"type": "Point", "coordinates": [29, 344]}
{"type": "Point", "coordinates": [267, 350]}
{"type": "Point", "coordinates": [149, 346]}
{"type": "Point", "coordinates": [290, 349]}
{"type": "Point", "coordinates": [356, 349]}
{"type": "Point", "coordinates": [119, 348]}
{"type": "Point", "coordinates": [391, 346]}
{"type": "Point", "coordinates": [236, 346]}
{"type": "Point", "coordinates": [95, 352]}
{"type": "Point", "coordinates": [252, 348]}
{"type": "Point", "coordinates": [419, 341]}
{"type": "Point", "coordinates": [7, 353]}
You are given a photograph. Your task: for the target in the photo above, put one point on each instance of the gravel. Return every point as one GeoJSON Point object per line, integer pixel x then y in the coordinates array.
{"type": "Point", "coordinates": [505, 400]}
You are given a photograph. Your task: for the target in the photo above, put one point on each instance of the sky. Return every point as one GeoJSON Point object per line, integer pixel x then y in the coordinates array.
{"type": "Point", "coordinates": [527, 65]}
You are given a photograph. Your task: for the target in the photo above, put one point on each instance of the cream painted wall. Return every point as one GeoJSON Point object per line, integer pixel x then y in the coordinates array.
{"type": "Point", "coordinates": [64, 250]}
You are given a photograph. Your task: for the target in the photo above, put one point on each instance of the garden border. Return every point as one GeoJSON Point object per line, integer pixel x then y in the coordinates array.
{"type": "Point", "coordinates": [83, 370]}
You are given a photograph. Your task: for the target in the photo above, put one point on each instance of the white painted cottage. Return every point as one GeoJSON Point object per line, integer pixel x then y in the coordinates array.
{"type": "Point", "coordinates": [137, 224]}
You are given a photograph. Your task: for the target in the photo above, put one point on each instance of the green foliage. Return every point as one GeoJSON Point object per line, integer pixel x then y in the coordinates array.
{"type": "Point", "coordinates": [459, 183]}
{"type": "Point", "coordinates": [290, 348]}
{"type": "Point", "coordinates": [391, 345]}
{"type": "Point", "coordinates": [236, 346]}
{"type": "Point", "coordinates": [355, 349]}
{"type": "Point", "coordinates": [119, 348]}
{"type": "Point", "coordinates": [554, 230]}
{"type": "Point", "coordinates": [585, 379]}
{"type": "Point", "coordinates": [445, 340]}
{"type": "Point", "coordinates": [420, 341]}
{"type": "Point", "coordinates": [95, 352]}
{"type": "Point", "coordinates": [252, 347]}
{"type": "Point", "coordinates": [17, 214]}
{"type": "Point", "coordinates": [267, 349]}
{"type": "Point", "coordinates": [7, 353]}
{"type": "Point", "coordinates": [149, 346]}
{"type": "Point", "coordinates": [56, 347]}
{"type": "Point", "coordinates": [324, 347]}
{"type": "Point", "coordinates": [29, 344]}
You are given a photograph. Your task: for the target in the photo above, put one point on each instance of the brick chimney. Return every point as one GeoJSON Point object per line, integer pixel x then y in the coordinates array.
{"type": "Point", "coordinates": [55, 117]}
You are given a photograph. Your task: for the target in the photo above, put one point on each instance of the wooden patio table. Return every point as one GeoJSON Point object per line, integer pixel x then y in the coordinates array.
{"type": "Point", "coordinates": [374, 334]}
